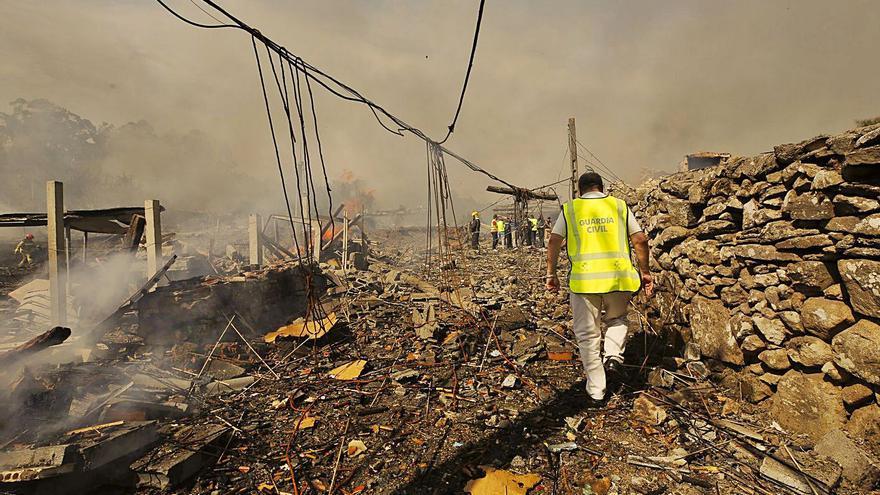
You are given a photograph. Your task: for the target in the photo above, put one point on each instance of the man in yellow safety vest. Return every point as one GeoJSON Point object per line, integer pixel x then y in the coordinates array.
{"type": "Point", "coordinates": [600, 231]}
{"type": "Point", "coordinates": [533, 231]}
{"type": "Point", "coordinates": [502, 232]}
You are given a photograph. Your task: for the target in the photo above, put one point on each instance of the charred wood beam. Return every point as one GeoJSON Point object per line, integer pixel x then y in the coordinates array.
{"type": "Point", "coordinates": [54, 336]}
{"type": "Point", "coordinates": [522, 193]}
{"type": "Point", "coordinates": [277, 249]}
{"type": "Point", "coordinates": [74, 218]}
{"type": "Point", "coordinates": [135, 233]}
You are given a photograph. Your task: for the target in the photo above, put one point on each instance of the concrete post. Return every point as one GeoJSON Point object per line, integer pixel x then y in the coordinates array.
{"type": "Point", "coordinates": [153, 235]}
{"type": "Point", "coordinates": [316, 241]}
{"type": "Point", "coordinates": [255, 243]}
{"type": "Point", "coordinates": [345, 241]}
{"type": "Point", "coordinates": [57, 253]}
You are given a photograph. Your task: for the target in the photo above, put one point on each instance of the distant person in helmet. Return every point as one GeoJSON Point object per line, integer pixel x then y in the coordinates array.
{"type": "Point", "coordinates": [25, 249]}
{"type": "Point", "coordinates": [475, 230]}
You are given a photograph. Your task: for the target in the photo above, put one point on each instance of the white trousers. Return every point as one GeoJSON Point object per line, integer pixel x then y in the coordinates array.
{"type": "Point", "coordinates": [588, 310]}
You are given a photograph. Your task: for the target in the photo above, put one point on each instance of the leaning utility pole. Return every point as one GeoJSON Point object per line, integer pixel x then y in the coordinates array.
{"type": "Point", "coordinates": [573, 155]}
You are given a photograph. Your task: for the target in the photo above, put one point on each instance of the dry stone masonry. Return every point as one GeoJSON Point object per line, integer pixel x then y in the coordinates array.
{"type": "Point", "coordinates": [770, 266]}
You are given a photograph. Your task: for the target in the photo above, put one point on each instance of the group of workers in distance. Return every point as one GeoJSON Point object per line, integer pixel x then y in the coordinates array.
{"type": "Point", "coordinates": [508, 234]}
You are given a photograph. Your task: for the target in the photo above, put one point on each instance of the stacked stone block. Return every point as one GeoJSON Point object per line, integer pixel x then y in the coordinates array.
{"type": "Point", "coordinates": [770, 265]}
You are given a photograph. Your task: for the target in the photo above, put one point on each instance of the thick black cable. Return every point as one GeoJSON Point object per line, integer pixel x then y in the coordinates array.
{"type": "Point", "coordinates": [311, 194]}
{"type": "Point", "coordinates": [467, 75]}
{"type": "Point", "coordinates": [274, 139]}
{"type": "Point", "coordinates": [321, 157]}
{"type": "Point", "coordinates": [281, 85]}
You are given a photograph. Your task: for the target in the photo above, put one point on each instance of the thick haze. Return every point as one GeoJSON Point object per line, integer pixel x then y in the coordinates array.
{"type": "Point", "coordinates": [647, 81]}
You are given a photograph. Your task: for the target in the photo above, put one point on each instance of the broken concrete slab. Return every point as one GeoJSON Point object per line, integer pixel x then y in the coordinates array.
{"type": "Point", "coordinates": [859, 470]}
{"type": "Point", "coordinates": [223, 370]}
{"type": "Point", "coordinates": [37, 463]}
{"type": "Point", "coordinates": [127, 440]}
{"type": "Point", "coordinates": [191, 450]}
{"type": "Point", "coordinates": [778, 472]}
{"type": "Point", "coordinates": [226, 386]}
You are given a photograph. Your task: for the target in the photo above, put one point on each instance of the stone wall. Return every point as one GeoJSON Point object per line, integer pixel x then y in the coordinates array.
{"type": "Point", "coordinates": [770, 265]}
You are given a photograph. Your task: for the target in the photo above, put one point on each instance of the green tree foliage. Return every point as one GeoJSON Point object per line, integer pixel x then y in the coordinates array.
{"type": "Point", "coordinates": [104, 166]}
{"type": "Point", "coordinates": [865, 122]}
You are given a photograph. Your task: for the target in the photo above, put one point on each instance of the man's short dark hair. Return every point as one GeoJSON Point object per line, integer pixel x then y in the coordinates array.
{"type": "Point", "coordinates": [590, 180]}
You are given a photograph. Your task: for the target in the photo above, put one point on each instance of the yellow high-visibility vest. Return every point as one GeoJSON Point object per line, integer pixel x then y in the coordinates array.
{"type": "Point", "coordinates": [598, 246]}
{"type": "Point", "coordinates": [500, 226]}
{"type": "Point", "coordinates": [534, 222]}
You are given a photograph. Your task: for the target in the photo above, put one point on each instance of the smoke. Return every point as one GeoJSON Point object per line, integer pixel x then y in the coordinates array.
{"type": "Point", "coordinates": [36, 396]}
{"type": "Point", "coordinates": [647, 81]}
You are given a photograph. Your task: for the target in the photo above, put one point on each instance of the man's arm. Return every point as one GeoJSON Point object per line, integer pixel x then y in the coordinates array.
{"type": "Point", "coordinates": [553, 249]}
{"type": "Point", "coordinates": [639, 242]}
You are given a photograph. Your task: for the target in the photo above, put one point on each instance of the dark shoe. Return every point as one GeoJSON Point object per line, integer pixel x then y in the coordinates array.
{"type": "Point", "coordinates": [613, 375]}
{"type": "Point", "coordinates": [592, 403]}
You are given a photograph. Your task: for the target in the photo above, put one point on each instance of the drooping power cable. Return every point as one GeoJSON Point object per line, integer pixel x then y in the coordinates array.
{"type": "Point", "coordinates": [330, 83]}
{"type": "Point", "coordinates": [467, 75]}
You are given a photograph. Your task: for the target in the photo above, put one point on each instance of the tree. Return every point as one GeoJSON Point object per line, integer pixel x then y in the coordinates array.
{"type": "Point", "coordinates": [866, 122]}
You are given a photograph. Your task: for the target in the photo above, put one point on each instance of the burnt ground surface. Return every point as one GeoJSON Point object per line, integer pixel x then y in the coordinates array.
{"type": "Point", "coordinates": [432, 413]}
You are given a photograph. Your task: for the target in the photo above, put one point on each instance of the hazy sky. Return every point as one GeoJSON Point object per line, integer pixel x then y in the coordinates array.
{"type": "Point", "coordinates": [648, 81]}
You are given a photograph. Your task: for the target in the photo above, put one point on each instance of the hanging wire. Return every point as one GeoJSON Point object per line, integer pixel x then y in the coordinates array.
{"type": "Point", "coordinates": [330, 83]}
{"type": "Point", "coordinates": [601, 164]}
{"type": "Point", "coordinates": [467, 75]}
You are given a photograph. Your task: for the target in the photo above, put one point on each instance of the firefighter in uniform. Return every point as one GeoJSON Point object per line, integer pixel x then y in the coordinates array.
{"type": "Point", "coordinates": [25, 249]}
{"type": "Point", "coordinates": [600, 232]}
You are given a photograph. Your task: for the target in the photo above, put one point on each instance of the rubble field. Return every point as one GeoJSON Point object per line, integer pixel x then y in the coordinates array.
{"type": "Point", "coordinates": [407, 369]}
{"type": "Point", "coordinates": [402, 385]}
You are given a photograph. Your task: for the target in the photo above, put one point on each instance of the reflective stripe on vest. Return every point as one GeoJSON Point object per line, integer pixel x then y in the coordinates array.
{"type": "Point", "coordinates": [598, 246]}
